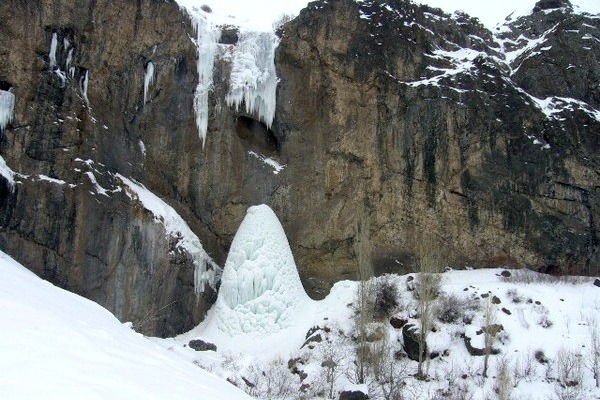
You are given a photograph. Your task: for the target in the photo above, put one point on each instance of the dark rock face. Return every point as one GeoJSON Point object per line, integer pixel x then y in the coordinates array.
{"type": "Point", "coordinates": [552, 4]}
{"type": "Point", "coordinates": [394, 122]}
{"type": "Point", "coordinates": [102, 245]}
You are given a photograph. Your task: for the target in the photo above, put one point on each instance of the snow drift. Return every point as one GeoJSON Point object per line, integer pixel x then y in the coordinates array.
{"type": "Point", "coordinates": [57, 345]}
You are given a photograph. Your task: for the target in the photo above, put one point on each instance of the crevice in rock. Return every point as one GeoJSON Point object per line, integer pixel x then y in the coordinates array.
{"type": "Point", "coordinates": [255, 136]}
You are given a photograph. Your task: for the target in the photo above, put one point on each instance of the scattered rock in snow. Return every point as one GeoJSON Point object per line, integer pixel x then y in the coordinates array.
{"type": "Point", "coordinates": [496, 300]}
{"type": "Point", "coordinates": [475, 351]}
{"type": "Point", "coordinates": [597, 282]}
{"type": "Point", "coordinates": [201, 345]}
{"type": "Point", "coordinates": [397, 322]}
{"type": "Point", "coordinates": [313, 339]}
{"type": "Point", "coordinates": [505, 274]}
{"type": "Point", "coordinates": [353, 395]}
{"type": "Point", "coordinates": [506, 311]}
{"type": "Point", "coordinates": [410, 336]}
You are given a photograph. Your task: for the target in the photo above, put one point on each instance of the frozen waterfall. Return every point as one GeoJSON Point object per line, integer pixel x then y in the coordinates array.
{"type": "Point", "coordinates": [207, 37]}
{"type": "Point", "coordinates": [260, 289]}
{"type": "Point", "coordinates": [7, 108]}
{"type": "Point", "coordinates": [253, 76]}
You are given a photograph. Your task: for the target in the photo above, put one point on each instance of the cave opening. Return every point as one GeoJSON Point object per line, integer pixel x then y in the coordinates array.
{"type": "Point", "coordinates": [256, 136]}
{"type": "Point", "coordinates": [4, 85]}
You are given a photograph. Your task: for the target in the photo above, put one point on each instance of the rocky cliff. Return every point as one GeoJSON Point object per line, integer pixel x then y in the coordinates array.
{"type": "Point", "coordinates": [396, 128]}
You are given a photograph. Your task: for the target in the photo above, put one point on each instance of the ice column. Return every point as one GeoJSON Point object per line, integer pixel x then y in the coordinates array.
{"type": "Point", "coordinates": [52, 54]}
{"type": "Point", "coordinates": [208, 37]}
{"type": "Point", "coordinates": [148, 79]}
{"type": "Point", "coordinates": [253, 75]}
{"type": "Point", "coordinates": [7, 108]}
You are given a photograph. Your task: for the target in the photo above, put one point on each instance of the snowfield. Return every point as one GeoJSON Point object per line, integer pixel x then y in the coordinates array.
{"type": "Point", "coordinates": [57, 345]}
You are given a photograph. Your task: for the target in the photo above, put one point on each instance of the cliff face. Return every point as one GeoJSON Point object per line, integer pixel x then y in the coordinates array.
{"type": "Point", "coordinates": [80, 118]}
{"type": "Point", "coordinates": [398, 127]}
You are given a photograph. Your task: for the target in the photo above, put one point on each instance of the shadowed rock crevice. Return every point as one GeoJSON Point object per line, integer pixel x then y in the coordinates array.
{"type": "Point", "coordinates": [256, 136]}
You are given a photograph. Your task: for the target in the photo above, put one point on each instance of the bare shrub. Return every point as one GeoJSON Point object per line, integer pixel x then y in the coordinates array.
{"type": "Point", "coordinates": [272, 381]}
{"type": "Point", "coordinates": [594, 350]}
{"type": "Point", "coordinates": [568, 368]}
{"type": "Point", "coordinates": [527, 276]}
{"type": "Point", "coordinates": [504, 385]}
{"type": "Point", "coordinates": [452, 308]}
{"type": "Point", "coordinates": [282, 20]}
{"type": "Point", "coordinates": [386, 297]}
{"type": "Point", "coordinates": [515, 296]}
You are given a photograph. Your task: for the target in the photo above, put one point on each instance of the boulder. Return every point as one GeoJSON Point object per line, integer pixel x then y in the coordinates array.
{"type": "Point", "coordinates": [201, 345]}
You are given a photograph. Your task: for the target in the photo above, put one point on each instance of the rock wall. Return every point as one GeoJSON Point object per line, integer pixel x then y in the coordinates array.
{"type": "Point", "coordinates": [400, 129]}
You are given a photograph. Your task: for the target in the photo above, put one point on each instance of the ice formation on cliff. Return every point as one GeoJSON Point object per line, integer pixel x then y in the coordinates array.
{"type": "Point", "coordinates": [260, 289]}
{"type": "Point", "coordinates": [253, 76]}
{"type": "Point", "coordinates": [7, 107]}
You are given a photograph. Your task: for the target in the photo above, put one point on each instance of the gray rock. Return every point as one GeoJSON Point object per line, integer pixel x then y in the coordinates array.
{"type": "Point", "coordinates": [201, 345]}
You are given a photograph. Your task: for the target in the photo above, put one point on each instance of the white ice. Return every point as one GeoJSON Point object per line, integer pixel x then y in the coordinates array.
{"type": "Point", "coordinates": [207, 38]}
{"type": "Point", "coordinates": [253, 78]}
{"type": "Point", "coordinates": [7, 108]}
{"type": "Point", "coordinates": [57, 345]}
{"type": "Point", "coordinates": [52, 54]}
{"type": "Point", "coordinates": [148, 78]}
{"type": "Point", "coordinates": [83, 86]}
{"type": "Point", "coordinates": [261, 293]}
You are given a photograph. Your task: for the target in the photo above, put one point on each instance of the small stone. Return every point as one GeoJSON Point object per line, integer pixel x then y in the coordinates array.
{"type": "Point", "coordinates": [496, 300]}
{"type": "Point", "coordinates": [397, 322]}
{"type": "Point", "coordinates": [201, 345]}
{"type": "Point", "coordinates": [353, 395]}
{"type": "Point", "coordinates": [506, 311]}
{"type": "Point", "coordinates": [597, 282]}
{"type": "Point", "coordinates": [505, 274]}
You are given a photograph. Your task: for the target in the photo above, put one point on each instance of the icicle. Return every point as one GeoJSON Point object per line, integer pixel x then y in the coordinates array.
{"type": "Point", "coordinates": [52, 54]}
{"type": "Point", "coordinates": [208, 37]}
{"type": "Point", "coordinates": [83, 86]}
{"type": "Point", "coordinates": [253, 75]}
{"type": "Point", "coordinates": [69, 60]}
{"type": "Point", "coordinates": [148, 79]}
{"type": "Point", "coordinates": [7, 108]}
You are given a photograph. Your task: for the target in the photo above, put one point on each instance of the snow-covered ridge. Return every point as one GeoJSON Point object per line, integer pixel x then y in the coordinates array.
{"type": "Point", "coordinates": [206, 270]}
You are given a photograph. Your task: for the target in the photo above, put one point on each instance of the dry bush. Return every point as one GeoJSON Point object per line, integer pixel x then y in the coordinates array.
{"type": "Point", "coordinates": [527, 276]}
{"type": "Point", "coordinates": [452, 308]}
{"type": "Point", "coordinates": [386, 298]}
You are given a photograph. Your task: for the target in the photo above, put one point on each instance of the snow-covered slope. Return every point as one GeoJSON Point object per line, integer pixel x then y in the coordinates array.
{"type": "Point", "coordinates": [57, 345]}
{"type": "Point", "coordinates": [544, 344]}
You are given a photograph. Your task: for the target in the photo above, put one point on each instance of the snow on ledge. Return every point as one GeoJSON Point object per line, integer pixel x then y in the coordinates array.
{"type": "Point", "coordinates": [7, 173]}
{"type": "Point", "coordinates": [277, 168]}
{"type": "Point", "coordinates": [176, 227]}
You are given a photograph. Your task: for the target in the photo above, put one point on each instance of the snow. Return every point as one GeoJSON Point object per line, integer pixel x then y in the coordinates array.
{"type": "Point", "coordinates": [261, 295]}
{"type": "Point", "coordinates": [7, 173]}
{"type": "Point", "coordinates": [7, 108]}
{"type": "Point", "coordinates": [54, 180]}
{"type": "Point", "coordinates": [277, 167]}
{"type": "Point", "coordinates": [148, 78]}
{"type": "Point", "coordinates": [253, 78]}
{"type": "Point", "coordinates": [206, 271]}
{"type": "Point", "coordinates": [543, 313]}
{"type": "Point", "coordinates": [57, 345]}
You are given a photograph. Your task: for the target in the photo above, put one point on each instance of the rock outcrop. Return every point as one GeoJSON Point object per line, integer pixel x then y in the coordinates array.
{"type": "Point", "coordinates": [396, 125]}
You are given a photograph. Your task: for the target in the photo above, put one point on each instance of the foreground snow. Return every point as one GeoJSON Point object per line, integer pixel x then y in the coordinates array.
{"type": "Point", "coordinates": [547, 327]}
{"type": "Point", "coordinates": [57, 345]}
